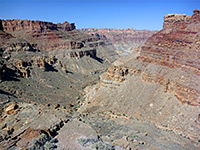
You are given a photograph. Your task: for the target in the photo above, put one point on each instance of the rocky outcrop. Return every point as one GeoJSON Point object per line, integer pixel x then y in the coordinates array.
{"type": "Point", "coordinates": [195, 16]}
{"type": "Point", "coordinates": [176, 21]}
{"type": "Point", "coordinates": [80, 54]}
{"type": "Point", "coordinates": [180, 21]}
{"type": "Point", "coordinates": [115, 73]}
{"type": "Point", "coordinates": [158, 88]}
{"type": "Point", "coordinates": [1, 26]}
{"type": "Point", "coordinates": [17, 46]}
{"type": "Point", "coordinates": [23, 67]}
{"type": "Point", "coordinates": [11, 108]}
{"type": "Point", "coordinates": [66, 26]}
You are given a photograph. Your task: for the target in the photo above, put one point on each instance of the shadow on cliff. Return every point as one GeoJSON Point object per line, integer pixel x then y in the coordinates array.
{"type": "Point", "coordinates": [6, 93]}
{"type": "Point", "coordinates": [50, 68]}
{"type": "Point", "coordinates": [98, 59]}
{"type": "Point", "coordinates": [10, 75]}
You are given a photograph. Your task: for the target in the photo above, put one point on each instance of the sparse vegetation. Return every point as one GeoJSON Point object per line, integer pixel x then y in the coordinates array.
{"type": "Point", "coordinates": [95, 143]}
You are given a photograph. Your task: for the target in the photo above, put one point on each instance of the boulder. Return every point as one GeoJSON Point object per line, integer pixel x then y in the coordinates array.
{"type": "Point", "coordinates": [11, 108]}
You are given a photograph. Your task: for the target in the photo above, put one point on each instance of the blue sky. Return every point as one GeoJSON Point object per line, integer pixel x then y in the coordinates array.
{"type": "Point", "coordinates": [136, 14]}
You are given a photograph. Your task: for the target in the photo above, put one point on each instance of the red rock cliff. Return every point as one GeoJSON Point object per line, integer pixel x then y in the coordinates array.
{"type": "Point", "coordinates": [178, 44]}
{"type": "Point", "coordinates": [16, 25]}
{"type": "Point", "coordinates": [47, 36]}
{"type": "Point", "coordinates": [162, 84]}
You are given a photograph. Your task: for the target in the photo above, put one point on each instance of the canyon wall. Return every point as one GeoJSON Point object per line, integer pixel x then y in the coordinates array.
{"type": "Point", "coordinates": [124, 41]}
{"type": "Point", "coordinates": [177, 49]}
{"type": "Point", "coordinates": [161, 84]}
{"type": "Point", "coordinates": [17, 25]}
{"type": "Point", "coordinates": [47, 35]}
{"type": "Point", "coordinates": [58, 40]}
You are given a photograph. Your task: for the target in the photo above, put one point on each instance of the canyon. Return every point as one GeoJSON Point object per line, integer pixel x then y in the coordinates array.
{"type": "Point", "coordinates": [124, 41]}
{"type": "Point", "coordinates": [162, 83]}
{"type": "Point", "coordinates": [68, 88]}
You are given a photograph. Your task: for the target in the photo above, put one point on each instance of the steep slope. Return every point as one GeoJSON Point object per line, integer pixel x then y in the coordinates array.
{"type": "Point", "coordinates": [124, 41]}
{"type": "Point", "coordinates": [162, 84]}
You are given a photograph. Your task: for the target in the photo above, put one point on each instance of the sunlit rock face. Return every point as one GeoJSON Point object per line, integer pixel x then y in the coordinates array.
{"type": "Point", "coordinates": [162, 83]}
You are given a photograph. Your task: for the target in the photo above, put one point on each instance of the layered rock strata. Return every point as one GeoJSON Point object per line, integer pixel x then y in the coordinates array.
{"type": "Point", "coordinates": [125, 41]}
{"type": "Point", "coordinates": [17, 25]}
{"type": "Point", "coordinates": [47, 35]}
{"type": "Point", "coordinates": [177, 49]}
{"type": "Point", "coordinates": [62, 41]}
{"type": "Point", "coordinates": [162, 83]}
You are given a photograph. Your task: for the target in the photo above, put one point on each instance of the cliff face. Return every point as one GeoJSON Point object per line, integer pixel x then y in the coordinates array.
{"type": "Point", "coordinates": [176, 21]}
{"type": "Point", "coordinates": [59, 40]}
{"type": "Point", "coordinates": [180, 21]}
{"type": "Point", "coordinates": [160, 85]}
{"type": "Point", "coordinates": [167, 45]}
{"type": "Point", "coordinates": [17, 25]}
{"type": "Point", "coordinates": [125, 41]}
{"type": "Point", "coordinates": [177, 46]}
{"type": "Point", "coordinates": [47, 35]}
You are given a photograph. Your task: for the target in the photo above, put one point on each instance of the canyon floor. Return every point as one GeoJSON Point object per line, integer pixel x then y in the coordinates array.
{"type": "Point", "coordinates": [35, 126]}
